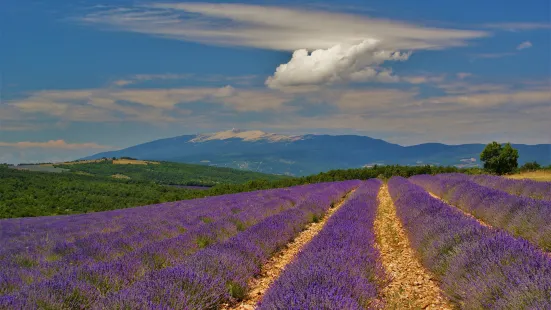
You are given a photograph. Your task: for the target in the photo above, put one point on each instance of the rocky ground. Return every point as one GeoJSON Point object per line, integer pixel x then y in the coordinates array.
{"type": "Point", "coordinates": [411, 286]}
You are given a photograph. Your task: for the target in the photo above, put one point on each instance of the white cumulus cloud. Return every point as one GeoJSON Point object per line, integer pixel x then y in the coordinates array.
{"type": "Point", "coordinates": [340, 63]}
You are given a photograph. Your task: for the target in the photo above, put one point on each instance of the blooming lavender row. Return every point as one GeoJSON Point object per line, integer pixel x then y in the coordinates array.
{"type": "Point", "coordinates": [145, 238]}
{"type": "Point", "coordinates": [527, 188]}
{"type": "Point", "coordinates": [478, 267]}
{"type": "Point", "coordinates": [340, 267]}
{"type": "Point", "coordinates": [220, 273]}
{"type": "Point", "coordinates": [95, 284]}
{"type": "Point", "coordinates": [522, 217]}
{"type": "Point", "coordinates": [120, 238]}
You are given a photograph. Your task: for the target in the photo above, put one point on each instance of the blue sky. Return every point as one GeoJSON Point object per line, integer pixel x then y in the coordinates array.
{"type": "Point", "coordinates": [80, 77]}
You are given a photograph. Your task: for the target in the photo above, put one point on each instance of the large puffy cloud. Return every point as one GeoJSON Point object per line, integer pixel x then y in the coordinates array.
{"type": "Point", "coordinates": [344, 47]}
{"type": "Point", "coordinates": [340, 63]}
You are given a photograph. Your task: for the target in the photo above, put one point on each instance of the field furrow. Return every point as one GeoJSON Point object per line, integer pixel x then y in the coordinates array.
{"type": "Point", "coordinates": [477, 267]}
{"type": "Point", "coordinates": [520, 216]}
{"type": "Point", "coordinates": [411, 285]}
{"type": "Point", "coordinates": [277, 263]}
{"type": "Point", "coordinates": [465, 213]}
{"type": "Point", "coordinates": [340, 267]}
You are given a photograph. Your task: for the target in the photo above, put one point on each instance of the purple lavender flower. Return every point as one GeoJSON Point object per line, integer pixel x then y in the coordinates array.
{"type": "Point", "coordinates": [520, 216]}
{"type": "Point", "coordinates": [99, 256]}
{"type": "Point", "coordinates": [526, 188]}
{"type": "Point", "coordinates": [339, 268]}
{"type": "Point", "coordinates": [479, 267]}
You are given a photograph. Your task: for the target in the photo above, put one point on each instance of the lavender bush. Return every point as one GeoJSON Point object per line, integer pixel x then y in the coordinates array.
{"type": "Point", "coordinates": [339, 268]}
{"type": "Point", "coordinates": [221, 272]}
{"type": "Point", "coordinates": [60, 261]}
{"type": "Point", "coordinates": [479, 267]}
{"type": "Point", "coordinates": [526, 188]}
{"type": "Point", "coordinates": [523, 217]}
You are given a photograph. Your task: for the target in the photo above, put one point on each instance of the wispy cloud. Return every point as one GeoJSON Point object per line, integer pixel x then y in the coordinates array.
{"type": "Point", "coordinates": [524, 45]}
{"type": "Point", "coordinates": [520, 115]}
{"type": "Point", "coordinates": [466, 88]}
{"type": "Point", "coordinates": [465, 106]}
{"type": "Point", "coordinates": [514, 27]}
{"type": "Point", "coordinates": [150, 77]}
{"type": "Point", "coordinates": [463, 75]}
{"type": "Point", "coordinates": [521, 46]}
{"type": "Point", "coordinates": [277, 28]}
{"type": "Point", "coordinates": [143, 105]}
{"type": "Point", "coordinates": [140, 78]}
{"type": "Point", "coordinates": [519, 98]}
{"type": "Point", "coordinates": [18, 127]}
{"type": "Point", "coordinates": [53, 144]}
{"type": "Point", "coordinates": [345, 47]}
{"type": "Point", "coordinates": [492, 55]}
{"type": "Point", "coordinates": [424, 79]}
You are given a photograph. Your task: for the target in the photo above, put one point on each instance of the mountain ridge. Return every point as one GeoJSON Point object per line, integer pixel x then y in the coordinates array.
{"type": "Point", "coordinates": [309, 154]}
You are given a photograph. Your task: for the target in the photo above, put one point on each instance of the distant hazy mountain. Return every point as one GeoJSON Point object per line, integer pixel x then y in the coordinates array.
{"type": "Point", "coordinates": [309, 154]}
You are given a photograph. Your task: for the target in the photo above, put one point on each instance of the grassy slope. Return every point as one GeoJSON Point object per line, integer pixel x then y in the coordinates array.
{"type": "Point", "coordinates": [170, 173]}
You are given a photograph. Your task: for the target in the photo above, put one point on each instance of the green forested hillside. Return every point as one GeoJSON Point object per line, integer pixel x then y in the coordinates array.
{"type": "Point", "coordinates": [170, 173]}
{"type": "Point", "coordinates": [25, 193]}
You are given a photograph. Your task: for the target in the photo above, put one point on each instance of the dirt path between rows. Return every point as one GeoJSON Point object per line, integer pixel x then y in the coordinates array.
{"type": "Point", "coordinates": [466, 213]}
{"type": "Point", "coordinates": [275, 266]}
{"type": "Point", "coordinates": [411, 286]}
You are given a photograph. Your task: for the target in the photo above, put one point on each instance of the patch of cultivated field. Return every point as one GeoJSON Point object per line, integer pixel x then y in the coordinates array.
{"type": "Point", "coordinates": [79, 162]}
{"type": "Point", "coordinates": [533, 175]}
{"type": "Point", "coordinates": [120, 176]}
{"type": "Point", "coordinates": [133, 162]}
{"type": "Point", "coordinates": [428, 242]}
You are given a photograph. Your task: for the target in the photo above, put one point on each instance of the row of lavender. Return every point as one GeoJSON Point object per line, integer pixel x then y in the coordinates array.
{"type": "Point", "coordinates": [527, 188]}
{"type": "Point", "coordinates": [35, 249]}
{"type": "Point", "coordinates": [339, 268]}
{"type": "Point", "coordinates": [125, 245]}
{"type": "Point", "coordinates": [479, 267]}
{"type": "Point", "coordinates": [522, 217]}
{"type": "Point", "coordinates": [220, 273]}
{"type": "Point", "coordinates": [91, 285]}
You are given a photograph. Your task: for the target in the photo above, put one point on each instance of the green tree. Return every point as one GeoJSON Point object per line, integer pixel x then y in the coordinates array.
{"type": "Point", "coordinates": [530, 166]}
{"type": "Point", "coordinates": [499, 159]}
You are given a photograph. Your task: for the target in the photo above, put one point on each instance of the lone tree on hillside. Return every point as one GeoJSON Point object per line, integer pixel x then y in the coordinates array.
{"type": "Point", "coordinates": [499, 159]}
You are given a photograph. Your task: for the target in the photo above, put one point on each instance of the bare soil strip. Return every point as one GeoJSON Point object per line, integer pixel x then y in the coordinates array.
{"type": "Point", "coordinates": [275, 266]}
{"type": "Point", "coordinates": [466, 213]}
{"type": "Point", "coordinates": [411, 286]}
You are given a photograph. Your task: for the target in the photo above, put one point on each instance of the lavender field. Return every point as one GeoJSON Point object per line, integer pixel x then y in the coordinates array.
{"type": "Point", "coordinates": [482, 245]}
